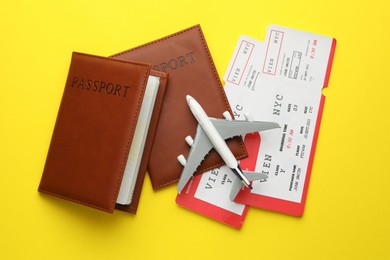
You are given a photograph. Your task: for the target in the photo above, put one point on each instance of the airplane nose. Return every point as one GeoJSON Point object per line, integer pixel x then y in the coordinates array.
{"type": "Point", "coordinates": [188, 97]}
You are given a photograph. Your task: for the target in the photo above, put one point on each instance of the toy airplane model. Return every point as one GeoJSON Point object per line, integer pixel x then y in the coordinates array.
{"type": "Point", "coordinates": [212, 133]}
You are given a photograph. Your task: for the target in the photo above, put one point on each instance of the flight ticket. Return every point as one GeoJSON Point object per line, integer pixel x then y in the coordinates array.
{"type": "Point", "coordinates": [278, 80]}
{"type": "Point", "coordinates": [208, 193]}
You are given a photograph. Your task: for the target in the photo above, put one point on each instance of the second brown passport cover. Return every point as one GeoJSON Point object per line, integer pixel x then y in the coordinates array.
{"type": "Point", "coordinates": [186, 58]}
{"type": "Point", "coordinates": [94, 131]}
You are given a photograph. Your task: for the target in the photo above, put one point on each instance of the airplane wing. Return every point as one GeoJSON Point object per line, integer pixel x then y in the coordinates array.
{"type": "Point", "coordinates": [228, 129]}
{"type": "Point", "coordinates": [237, 183]}
{"type": "Point", "coordinates": [199, 149]}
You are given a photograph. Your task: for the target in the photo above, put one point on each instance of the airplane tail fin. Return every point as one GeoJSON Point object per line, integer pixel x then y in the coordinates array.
{"type": "Point", "coordinates": [251, 176]}
{"type": "Point", "coordinates": [254, 176]}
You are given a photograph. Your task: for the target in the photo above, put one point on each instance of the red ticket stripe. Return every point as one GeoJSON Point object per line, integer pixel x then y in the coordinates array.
{"type": "Point", "coordinates": [330, 62]}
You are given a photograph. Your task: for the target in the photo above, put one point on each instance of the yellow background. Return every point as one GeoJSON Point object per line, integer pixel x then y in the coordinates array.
{"type": "Point", "coordinates": [347, 212]}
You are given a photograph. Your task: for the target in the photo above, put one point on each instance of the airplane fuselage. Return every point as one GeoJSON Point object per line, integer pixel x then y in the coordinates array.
{"type": "Point", "coordinates": [215, 138]}
{"type": "Point", "coordinates": [212, 133]}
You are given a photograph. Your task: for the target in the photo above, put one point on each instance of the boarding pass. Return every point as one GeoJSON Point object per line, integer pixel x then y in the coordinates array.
{"type": "Point", "coordinates": [281, 80]}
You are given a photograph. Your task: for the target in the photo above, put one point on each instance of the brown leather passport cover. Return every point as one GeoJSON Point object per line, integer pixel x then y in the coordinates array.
{"type": "Point", "coordinates": [94, 130]}
{"type": "Point", "coordinates": [186, 57]}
